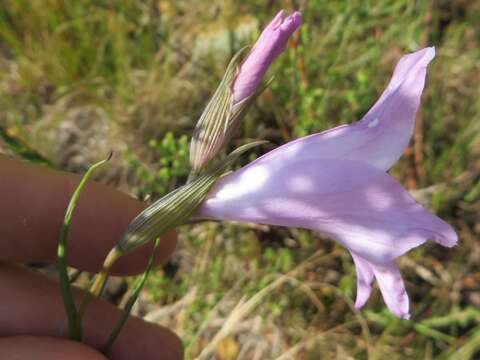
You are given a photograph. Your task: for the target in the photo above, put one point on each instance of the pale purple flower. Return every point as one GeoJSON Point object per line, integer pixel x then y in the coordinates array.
{"type": "Point", "coordinates": [335, 182]}
{"type": "Point", "coordinates": [269, 45]}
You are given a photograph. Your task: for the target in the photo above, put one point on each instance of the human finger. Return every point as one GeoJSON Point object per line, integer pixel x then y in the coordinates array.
{"type": "Point", "coordinates": [33, 204]}
{"type": "Point", "coordinates": [35, 308]}
{"type": "Point", "coordinates": [45, 348]}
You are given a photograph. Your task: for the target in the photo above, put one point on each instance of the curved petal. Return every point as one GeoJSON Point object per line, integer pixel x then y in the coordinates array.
{"type": "Point", "coordinates": [393, 289]}
{"type": "Point", "coordinates": [364, 280]}
{"type": "Point", "coordinates": [390, 282]}
{"type": "Point", "coordinates": [380, 138]}
{"type": "Point", "coordinates": [360, 206]}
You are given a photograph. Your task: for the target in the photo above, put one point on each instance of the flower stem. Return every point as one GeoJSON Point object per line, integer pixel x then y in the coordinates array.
{"type": "Point", "coordinates": [74, 326]}
{"type": "Point", "coordinates": [131, 301]}
{"type": "Point", "coordinates": [99, 282]}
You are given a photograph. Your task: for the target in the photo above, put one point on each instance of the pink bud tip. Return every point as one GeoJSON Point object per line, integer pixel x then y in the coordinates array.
{"type": "Point", "coordinates": [269, 45]}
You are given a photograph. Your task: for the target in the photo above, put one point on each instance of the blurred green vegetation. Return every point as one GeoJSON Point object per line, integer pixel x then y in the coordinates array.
{"type": "Point", "coordinates": [82, 77]}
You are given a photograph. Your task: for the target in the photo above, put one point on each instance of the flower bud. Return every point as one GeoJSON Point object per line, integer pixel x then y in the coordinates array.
{"type": "Point", "coordinates": [269, 45]}
{"type": "Point", "coordinates": [237, 91]}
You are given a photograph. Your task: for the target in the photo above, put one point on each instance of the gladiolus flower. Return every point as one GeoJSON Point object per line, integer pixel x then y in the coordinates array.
{"type": "Point", "coordinates": [237, 91]}
{"type": "Point", "coordinates": [335, 182]}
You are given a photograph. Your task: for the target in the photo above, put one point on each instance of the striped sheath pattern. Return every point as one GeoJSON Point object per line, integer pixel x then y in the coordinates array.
{"type": "Point", "coordinates": [218, 119]}
{"type": "Point", "coordinates": [177, 207]}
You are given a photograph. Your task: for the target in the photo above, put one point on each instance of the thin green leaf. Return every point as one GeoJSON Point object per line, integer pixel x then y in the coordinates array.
{"type": "Point", "coordinates": [74, 326]}
{"type": "Point", "coordinates": [131, 301]}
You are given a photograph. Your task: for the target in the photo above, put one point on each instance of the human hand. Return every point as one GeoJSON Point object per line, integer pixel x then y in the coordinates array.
{"type": "Point", "coordinates": [33, 323]}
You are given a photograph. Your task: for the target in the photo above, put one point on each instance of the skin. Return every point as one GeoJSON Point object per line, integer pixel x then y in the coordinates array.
{"type": "Point", "coordinates": [32, 318]}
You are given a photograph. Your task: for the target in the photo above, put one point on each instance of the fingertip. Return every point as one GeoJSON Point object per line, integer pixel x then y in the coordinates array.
{"type": "Point", "coordinates": [34, 202]}
{"type": "Point", "coordinates": [137, 340]}
{"type": "Point", "coordinates": [37, 309]}
{"type": "Point", "coordinates": [100, 220]}
{"type": "Point", "coordinates": [45, 348]}
{"type": "Point", "coordinates": [142, 340]}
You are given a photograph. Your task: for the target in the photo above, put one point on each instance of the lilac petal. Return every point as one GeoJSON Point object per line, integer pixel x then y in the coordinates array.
{"type": "Point", "coordinates": [390, 282]}
{"type": "Point", "coordinates": [393, 289]}
{"type": "Point", "coordinates": [360, 206]}
{"type": "Point", "coordinates": [380, 138]}
{"type": "Point", "coordinates": [269, 45]}
{"type": "Point", "coordinates": [364, 280]}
